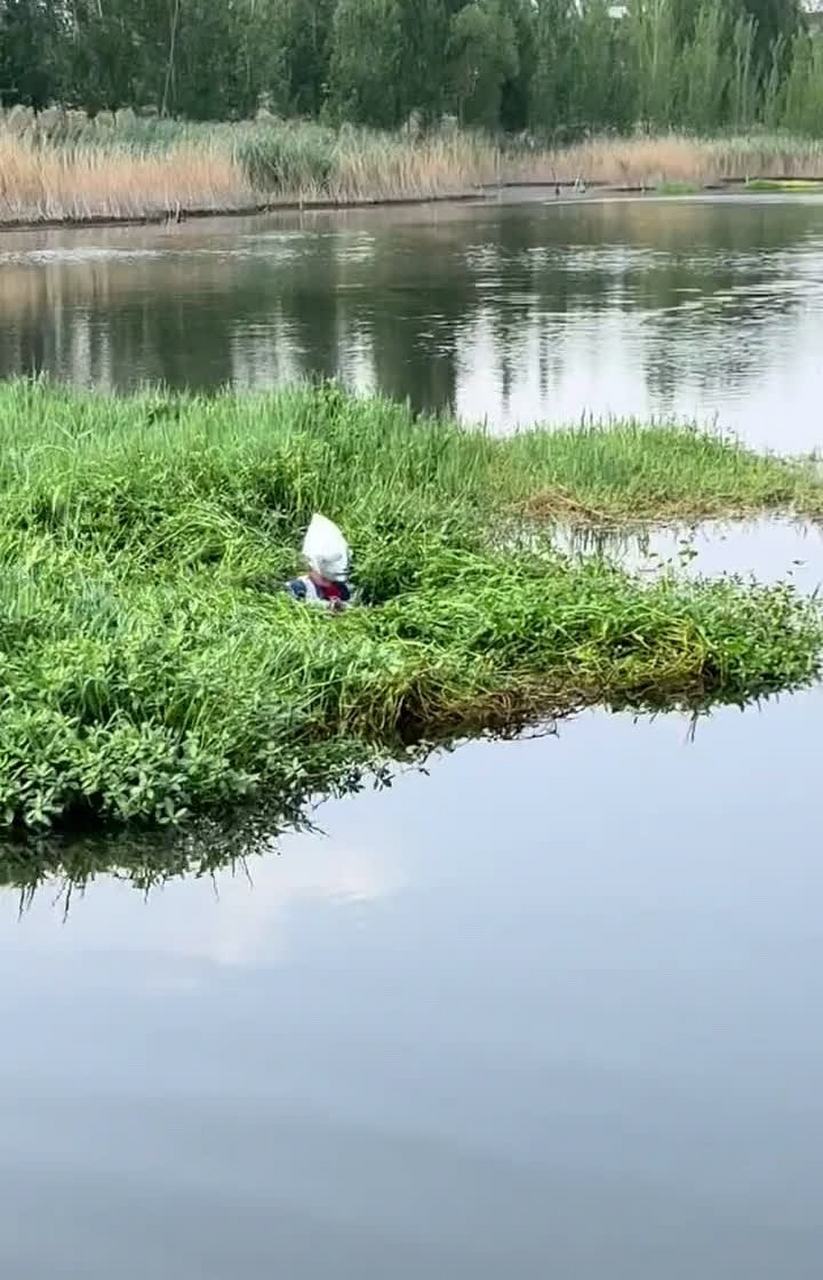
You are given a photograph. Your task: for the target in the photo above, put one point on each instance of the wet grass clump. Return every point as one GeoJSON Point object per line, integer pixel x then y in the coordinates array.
{"type": "Point", "coordinates": [786, 186]}
{"type": "Point", "coordinates": [629, 473]}
{"type": "Point", "coordinates": [675, 188]}
{"type": "Point", "coordinates": [152, 669]}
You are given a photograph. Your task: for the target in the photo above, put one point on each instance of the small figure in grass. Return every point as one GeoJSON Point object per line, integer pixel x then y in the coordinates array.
{"type": "Point", "coordinates": [326, 552]}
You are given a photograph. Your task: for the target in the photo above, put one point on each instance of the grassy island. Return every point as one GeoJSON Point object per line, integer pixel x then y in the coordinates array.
{"type": "Point", "coordinates": [152, 669]}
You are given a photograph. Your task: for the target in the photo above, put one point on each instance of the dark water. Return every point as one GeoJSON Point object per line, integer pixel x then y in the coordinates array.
{"type": "Point", "coordinates": [701, 308]}
{"type": "Point", "coordinates": [549, 1011]}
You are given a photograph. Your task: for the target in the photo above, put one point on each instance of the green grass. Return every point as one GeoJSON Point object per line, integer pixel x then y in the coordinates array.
{"type": "Point", "coordinates": [288, 158]}
{"type": "Point", "coordinates": [799, 186]}
{"type": "Point", "coordinates": [151, 668]}
{"type": "Point", "coordinates": [628, 473]}
{"type": "Point", "coordinates": [675, 188]}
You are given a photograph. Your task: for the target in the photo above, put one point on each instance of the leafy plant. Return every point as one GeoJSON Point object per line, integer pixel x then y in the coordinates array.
{"type": "Point", "coordinates": [151, 669]}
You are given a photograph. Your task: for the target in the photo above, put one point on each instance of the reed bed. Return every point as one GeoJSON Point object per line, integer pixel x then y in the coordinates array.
{"type": "Point", "coordinates": [152, 669]}
{"type": "Point", "coordinates": [48, 184]}
{"type": "Point", "coordinates": [63, 166]}
{"type": "Point", "coordinates": [145, 170]}
{"type": "Point", "coordinates": [651, 162]}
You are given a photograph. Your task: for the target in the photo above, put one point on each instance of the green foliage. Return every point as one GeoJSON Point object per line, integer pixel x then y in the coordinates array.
{"type": "Point", "coordinates": [656, 51]}
{"type": "Point", "coordinates": [287, 158]}
{"type": "Point", "coordinates": [745, 84]}
{"type": "Point", "coordinates": [774, 20]}
{"type": "Point", "coordinates": [514, 98]}
{"type": "Point", "coordinates": [483, 56]}
{"type": "Point", "coordinates": [670, 63]}
{"type": "Point", "coordinates": [151, 668]}
{"type": "Point", "coordinates": [29, 36]}
{"type": "Point", "coordinates": [366, 58]}
{"type": "Point", "coordinates": [302, 29]}
{"type": "Point", "coordinates": [706, 69]}
{"type": "Point", "coordinates": [552, 85]}
{"type": "Point", "coordinates": [803, 93]}
{"type": "Point", "coordinates": [602, 96]}
{"type": "Point", "coordinates": [423, 80]}
{"type": "Point", "coordinates": [561, 67]}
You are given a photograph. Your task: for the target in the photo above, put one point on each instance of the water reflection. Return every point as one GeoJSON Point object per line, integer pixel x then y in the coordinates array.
{"type": "Point", "coordinates": [768, 550]}
{"type": "Point", "coordinates": [238, 914]}
{"type": "Point", "coordinates": [700, 308]}
{"type": "Point", "coordinates": [546, 1008]}
{"type": "Point", "coordinates": [245, 848]}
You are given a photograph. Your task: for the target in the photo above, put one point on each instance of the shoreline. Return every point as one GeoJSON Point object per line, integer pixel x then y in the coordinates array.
{"type": "Point", "coordinates": [565, 193]}
{"type": "Point", "coordinates": [255, 169]}
{"type": "Point", "coordinates": [178, 216]}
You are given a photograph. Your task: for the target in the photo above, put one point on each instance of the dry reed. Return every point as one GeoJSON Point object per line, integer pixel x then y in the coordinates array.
{"type": "Point", "coordinates": [207, 169]}
{"type": "Point", "coordinates": [51, 184]}
{"type": "Point", "coordinates": [436, 166]}
{"type": "Point", "coordinates": [651, 161]}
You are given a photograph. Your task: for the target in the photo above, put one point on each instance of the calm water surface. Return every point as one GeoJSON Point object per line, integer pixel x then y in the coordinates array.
{"type": "Point", "coordinates": [549, 1011]}
{"type": "Point", "coordinates": [552, 1010]}
{"type": "Point", "coordinates": [702, 308]}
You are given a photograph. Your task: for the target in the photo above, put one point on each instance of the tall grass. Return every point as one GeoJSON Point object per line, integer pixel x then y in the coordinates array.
{"type": "Point", "coordinates": [46, 184]}
{"type": "Point", "coordinates": [150, 168]}
{"type": "Point", "coordinates": [151, 668]}
{"type": "Point", "coordinates": [63, 166]}
{"type": "Point", "coordinates": [654, 160]}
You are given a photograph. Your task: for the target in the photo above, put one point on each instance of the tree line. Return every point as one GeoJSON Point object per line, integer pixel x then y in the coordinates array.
{"type": "Point", "coordinates": [553, 67]}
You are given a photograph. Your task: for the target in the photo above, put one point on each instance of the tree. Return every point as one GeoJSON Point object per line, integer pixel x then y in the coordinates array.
{"type": "Point", "coordinates": [262, 57]}
{"type": "Point", "coordinates": [422, 85]}
{"type": "Point", "coordinates": [29, 49]}
{"type": "Point", "coordinates": [366, 51]}
{"type": "Point", "coordinates": [706, 69]}
{"type": "Point", "coordinates": [599, 89]}
{"type": "Point", "coordinates": [656, 51]}
{"type": "Point", "coordinates": [776, 20]}
{"type": "Point", "coordinates": [114, 55]}
{"type": "Point", "coordinates": [303, 28]}
{"type": "Point", "coordinates": [744, 90]}
{"type": "Point", "coordinates": [803, 97]}
{"type": "Point", "coordinates": [483, 55]}
{"type": "Point", "coordinates": [556, 26]}
{"type": "Point", "coordinates": [514, 98]}
{"type": "Point", "coordinates": [206, 78]}
{"type": "Point", "coordinates": [556, 66]}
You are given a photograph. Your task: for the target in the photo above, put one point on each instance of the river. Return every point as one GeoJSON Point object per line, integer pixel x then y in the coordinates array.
{"type": "Point", "coordinates": [708, 308]}
{"type": "Point", "coordinates": [549, 1009]}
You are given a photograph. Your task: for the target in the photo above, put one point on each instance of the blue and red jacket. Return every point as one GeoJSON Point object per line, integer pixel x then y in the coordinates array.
{"type": "Point", "coordinates": [311, 592]}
